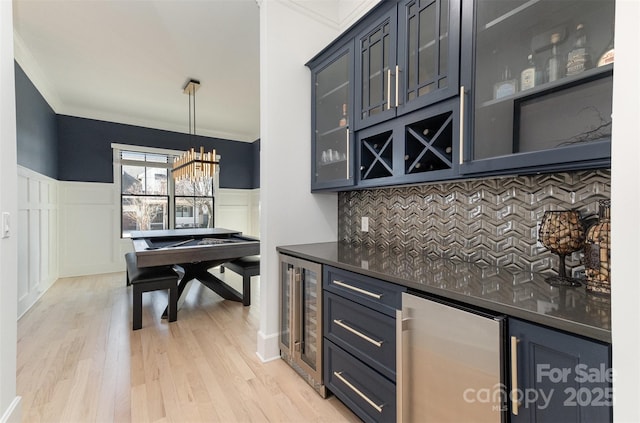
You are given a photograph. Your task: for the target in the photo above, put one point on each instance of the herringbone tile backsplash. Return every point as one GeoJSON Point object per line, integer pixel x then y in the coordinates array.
{"type": "Point", "coordinates": [492, 221]}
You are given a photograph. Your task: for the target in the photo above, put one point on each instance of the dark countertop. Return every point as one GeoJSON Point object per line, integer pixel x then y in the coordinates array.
{"type": "Point", "coordinates": [520, 294]}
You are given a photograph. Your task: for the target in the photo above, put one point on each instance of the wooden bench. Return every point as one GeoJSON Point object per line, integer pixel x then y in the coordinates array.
{"type": "Point", "coordinates": [146, 279]}
{"type": "Point", "coordinates": [245, 267]}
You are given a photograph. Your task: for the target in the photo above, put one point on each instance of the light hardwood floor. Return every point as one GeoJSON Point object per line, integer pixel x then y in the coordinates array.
{"type": "Point", "coordinates": [79, 361]}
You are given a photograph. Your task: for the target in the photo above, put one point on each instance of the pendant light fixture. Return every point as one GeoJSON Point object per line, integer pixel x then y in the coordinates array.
{"type": "Point", "coordinates": [194, 165]}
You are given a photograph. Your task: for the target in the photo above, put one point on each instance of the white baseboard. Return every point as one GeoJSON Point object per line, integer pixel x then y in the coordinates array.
{"type": "Point", "coordinates": [268, 347]}
{"type": "Point", "coordinates": [13, 414]}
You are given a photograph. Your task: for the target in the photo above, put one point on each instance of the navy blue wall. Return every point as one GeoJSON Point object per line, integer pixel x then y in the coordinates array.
{"type": "Point", "coordinates": [256, 164]}
{"type": "Point", "coordinates": [36, 128]}
{"type": "Point", "coordinates": [85, 150]}
{"type": "Point", "coordinates": [69, 148]}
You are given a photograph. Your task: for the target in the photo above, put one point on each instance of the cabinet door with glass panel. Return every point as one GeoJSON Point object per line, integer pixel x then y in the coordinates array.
{"type": "Point", "coordinates": [332, 99]}
{"type": "Point", "coordinates": [407, 59]}
{"type": "Point", "coordinates": [428, 51]}
{"type": "Point", "coordinates": [536, 85]}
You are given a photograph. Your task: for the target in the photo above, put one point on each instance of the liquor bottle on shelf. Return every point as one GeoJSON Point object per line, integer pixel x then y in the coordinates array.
{"type": "Point", "coordinates": [607, 56]}
{"type": "Point", "coordinates": [578, 59]}
{"type": "Point", "coordinates": [507, 86]}
{"type": "Point", "coordinates": [343, 119]}
{"type": "Point", "coordinates": [528, 76]}
{"type": "Point", "coordinates": [554, 64]}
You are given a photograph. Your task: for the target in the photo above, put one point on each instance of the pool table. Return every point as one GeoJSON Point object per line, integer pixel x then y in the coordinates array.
{"type": "Point", "coordinates": [195, 251]}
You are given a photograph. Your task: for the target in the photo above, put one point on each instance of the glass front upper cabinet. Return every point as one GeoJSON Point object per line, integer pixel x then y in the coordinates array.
{"type": "Point", "coordinates": [429, 47]}
{"type": "Point", "coordinates": [540, 89]}
{"type": "Point", "coordinates": [332, 100]}
{"type": "Point", "coordinates": [407, 59]}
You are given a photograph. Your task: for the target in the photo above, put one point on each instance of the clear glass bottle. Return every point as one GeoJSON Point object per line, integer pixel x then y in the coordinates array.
{"type": "Point", "coordinates": [554, 64]}
{"type": "Point", "coordinates": [507, 85]}
{"type": "Point", "coordinates": [597, 252]}
{"type": "Point", "coordinates": [579, 58]}
{"type": "Point", "coordinates": [528, 75]}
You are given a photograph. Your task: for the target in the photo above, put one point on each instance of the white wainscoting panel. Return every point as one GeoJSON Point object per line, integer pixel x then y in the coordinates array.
{"type": "Point", "coordinates": [38, 256]}
{"type": "Point", "coordinates": [89, 229]}
{"type": "Point", "coordinates": [239, 209]}
{"type": "Point", "coordinates": [90, 240]}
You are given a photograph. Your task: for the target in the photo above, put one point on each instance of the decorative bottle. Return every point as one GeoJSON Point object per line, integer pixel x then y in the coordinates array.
{"type": "Point", "coordinates": [507, 85]}
{"type": "Point", "coordinates": [528, 75]}
{"type": "Point", "coordinates": [554, 64]}
{"type": "Point", "coordinates": [597, 252]}
{"type": "Point", "coordinates": [579, 59]}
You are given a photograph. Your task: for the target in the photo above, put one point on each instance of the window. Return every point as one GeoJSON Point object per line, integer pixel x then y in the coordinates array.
{"type": "Point", "coordinates": [152, 200]}
{"type": "Point", "coordinates": [194, 203]}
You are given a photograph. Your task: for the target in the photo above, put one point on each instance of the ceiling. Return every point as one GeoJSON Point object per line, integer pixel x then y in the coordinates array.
{"type": "Point", "coordinates": [127, 61]}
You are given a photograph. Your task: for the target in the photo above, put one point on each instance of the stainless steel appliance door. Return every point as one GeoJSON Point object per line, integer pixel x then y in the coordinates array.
{"type": "Point", "coordinates": [448, 363]}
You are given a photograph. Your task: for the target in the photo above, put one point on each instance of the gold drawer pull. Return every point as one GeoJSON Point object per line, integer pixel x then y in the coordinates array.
{"type": "Point", "coordinates": [357, 332]}
{"type": "Point", "coordinates": [515, 404]}
{"type": "Point", "coordinates": [356, 289]}
{"type": "Point", "coordinates": [357, 391]}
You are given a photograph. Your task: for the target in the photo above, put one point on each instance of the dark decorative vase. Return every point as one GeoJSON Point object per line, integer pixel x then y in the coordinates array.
{"type": "Point", "coordinates": [597, 252]}
{"type": "Point", "coordinates": [562, 232]}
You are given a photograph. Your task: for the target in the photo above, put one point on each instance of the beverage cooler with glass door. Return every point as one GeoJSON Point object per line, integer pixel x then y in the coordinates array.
{"type": "Point", "coordinates": [301, 318]}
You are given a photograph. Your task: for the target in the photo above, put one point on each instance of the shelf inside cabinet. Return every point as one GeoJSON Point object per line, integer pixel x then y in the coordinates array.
{"type": "Point", "coordinates": [340, 89]}
{"type": "Point", "coordinates": [496, 15]}
{"type": "Point", "coordinates": [576, 112]}
{"type": "Point", "coordinates": [550, 87]}
{"type": "Point", "coordinates": [333, 131]}
{"type": "Point", "coordinates": [338, 162]}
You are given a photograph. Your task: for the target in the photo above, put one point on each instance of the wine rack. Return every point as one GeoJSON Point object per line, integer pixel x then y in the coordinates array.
{"type": "Point", "coordinates": [428, 144]}
{"type": "Point", "coordinates": [376, 156]}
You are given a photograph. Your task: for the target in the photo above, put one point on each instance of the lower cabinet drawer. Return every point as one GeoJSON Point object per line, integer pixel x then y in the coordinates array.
{"type": "Point", "coordinates": [365, 333]}
{"type": "Point", "coordinates": [371, 396]}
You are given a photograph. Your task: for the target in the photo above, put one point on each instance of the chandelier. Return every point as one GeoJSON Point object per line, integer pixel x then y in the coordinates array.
{"type": "Point", "coordinates": [194, 165]}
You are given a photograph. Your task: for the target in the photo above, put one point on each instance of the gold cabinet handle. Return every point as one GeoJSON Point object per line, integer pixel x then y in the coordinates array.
{"type": "Point", "coordinates": [357, 333]}
{"type": "Point", "coordinates": [397, 86]}
{"type": "Point", "coordinates": [515, 404]}
{"type": "Point", "coordinates": [399, 368]}
{"type": "Point", "coordinates": [388, 89]}
{"type": "Point", "coordinates": [359, 290]}
{"type": "Point", "coordinates": [348, 147]}
{"type": "Point", "coordinates": [377, 407]}
{"type": "Point", "coordinates": [461, 124]}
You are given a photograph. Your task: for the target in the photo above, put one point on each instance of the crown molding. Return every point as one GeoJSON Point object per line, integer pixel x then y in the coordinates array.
{"type": "Point", "coordinates": [34, 71]}
{"type": "Point", "coordinates": [303, 8]}
{"type": "Point", "coordinates": [349, 17]}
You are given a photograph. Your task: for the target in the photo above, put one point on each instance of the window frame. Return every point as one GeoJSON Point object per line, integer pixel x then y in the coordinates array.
{"type": "Point", "coordinates": [119, 195]}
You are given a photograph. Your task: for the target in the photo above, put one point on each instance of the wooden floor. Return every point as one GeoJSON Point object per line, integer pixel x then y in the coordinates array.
{"type": "Point", "coordinates": [79, 361]}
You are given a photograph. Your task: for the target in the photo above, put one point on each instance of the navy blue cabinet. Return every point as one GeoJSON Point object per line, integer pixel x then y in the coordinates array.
{"type": "Point", "coordinates": [407, 114]}
{"type": "Point", "coordinates": [360, 342]}
{"type": "Point", "coordinates": [527, 86]}
{"type": "Point", "coordinates": [375, 71]}
{"type": "Point", "coordinates": [332, 155]}
{"type": "Point", "coordinates": [412, 148]}
{"type": "Point", "coordinates": [407, 59]}
{"type": "Point", "coordinates": [536, 85]}
{"type": "Point", "coordinates": [557, 377]}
